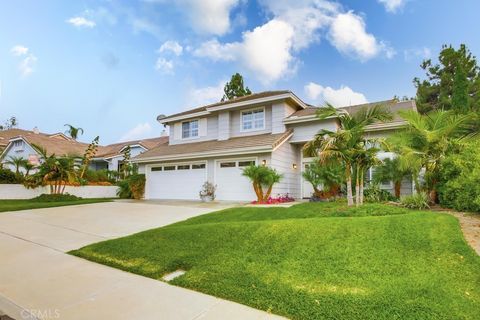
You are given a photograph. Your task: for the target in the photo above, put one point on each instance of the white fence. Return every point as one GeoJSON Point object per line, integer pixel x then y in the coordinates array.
{"type": "Point", "coordinates": [18, 191]}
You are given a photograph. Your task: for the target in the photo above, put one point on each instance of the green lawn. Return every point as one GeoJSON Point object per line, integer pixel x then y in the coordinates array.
{"type": "Point", "coordinates": [14, 205]}
{"type": "Point", "coordinates": [314, 261]}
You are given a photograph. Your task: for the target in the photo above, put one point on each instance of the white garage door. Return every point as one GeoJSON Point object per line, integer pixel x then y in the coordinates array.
{"type": "Point", "coordinates": [175, 181]}
{"type": "Point", "coordinates": [231, 185]}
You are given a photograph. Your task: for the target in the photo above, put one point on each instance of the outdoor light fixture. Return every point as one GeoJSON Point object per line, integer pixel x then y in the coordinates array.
{"type": "Point", "coordinates": [294, 166]}
{"type": "Point", "coordinates": [264, 162]}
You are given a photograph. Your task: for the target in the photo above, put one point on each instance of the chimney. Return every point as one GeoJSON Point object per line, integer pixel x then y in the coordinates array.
{"type": "Point", "coordinates": [164, 133]}
{"type": "Point", "coordinates": [35, 130]}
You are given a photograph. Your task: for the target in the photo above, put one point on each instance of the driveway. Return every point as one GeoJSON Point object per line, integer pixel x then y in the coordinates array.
{"type": "Point", "coordinates": [38, 280]}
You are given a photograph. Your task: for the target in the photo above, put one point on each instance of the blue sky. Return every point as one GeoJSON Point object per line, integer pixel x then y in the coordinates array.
{"type": "Point", "coordinates": [111, 67]}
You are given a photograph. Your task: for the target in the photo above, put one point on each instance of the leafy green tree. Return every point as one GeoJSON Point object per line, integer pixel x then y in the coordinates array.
{"type": "Point", "coordinates": [235, 88]}
{"type": "Point", "coordinates": [10, 123]}
{"type": "Point", "coordinates": [453, 83]}
{"type": "Point", "coordinates": [17, 163]}
{"type": "Point", "coordinates": [392, 170]}
{"type": "Point", "coordinates": [326, 177]}
{"type": "Point", "coordinates": [73, 132]}
{"type": "Point", "coordinates": [262, 177]}
{"type": "Point", "coordinates": [348, 141]}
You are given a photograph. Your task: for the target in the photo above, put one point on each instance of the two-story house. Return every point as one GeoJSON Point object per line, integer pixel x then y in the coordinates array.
{"type": "Point", "coordinates": [215, 142]}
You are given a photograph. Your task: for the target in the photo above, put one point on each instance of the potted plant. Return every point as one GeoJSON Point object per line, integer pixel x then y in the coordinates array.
{"type": "Point", "coordinates": [207, 193]}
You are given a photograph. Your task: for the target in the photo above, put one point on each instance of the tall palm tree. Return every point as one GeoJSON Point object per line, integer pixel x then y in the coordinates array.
{"type": "Point", "coordinates": [391, 170]}
{"type": "Point", "coordinates": [17, 163]}
{"type": "Point", "coordinates": [348, 141]}
{"type": "Point", "coordinates": [73, 131]}
{"type": "Point", "coordinates": [426, 141]}
{"type": "Point", "coordinates": [366, 158]}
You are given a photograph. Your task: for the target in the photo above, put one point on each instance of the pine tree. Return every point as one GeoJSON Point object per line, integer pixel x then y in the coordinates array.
{"type": "Point", "coordinates": [235, 88]}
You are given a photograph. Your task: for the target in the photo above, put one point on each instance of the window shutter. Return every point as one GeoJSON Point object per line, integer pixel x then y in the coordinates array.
{"type": "Point", "coordinates": [202, 127]}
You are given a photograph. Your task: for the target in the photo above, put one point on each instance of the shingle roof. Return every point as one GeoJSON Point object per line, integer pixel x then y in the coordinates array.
{"type": "Point", "coordinates": [392, 105]}
{"type": "Point", "coordinates": [262, 140]}
{"type": "Point", "coordinates": [114, 149]}
{"type": "Point", "coordinates": [239, 99]}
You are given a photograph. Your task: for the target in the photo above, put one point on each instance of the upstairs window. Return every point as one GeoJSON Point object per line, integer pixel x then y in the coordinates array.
{"type": "Point", "coordinates": [18, 145]}
{"type": "Point", "coordinates": [253, 120]}
{"type": "Point", "coordinates": [190, 129]}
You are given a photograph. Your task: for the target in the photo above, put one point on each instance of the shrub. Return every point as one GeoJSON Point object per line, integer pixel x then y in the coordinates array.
{"type": "Point", "coordinates": [373, 193]}
{"type": "Point", "coordinates": [9, 177]}
{"type": "Point", "coordinates": [124, 191]}
{"type": "Point", "coordinates": [415, 201]}
{"type": "Point", "coordinates": [136, 182]}
{"type": "Point", "coordinates": [56, 198]}
{"type": "Point", "coordinates": [459, 186]}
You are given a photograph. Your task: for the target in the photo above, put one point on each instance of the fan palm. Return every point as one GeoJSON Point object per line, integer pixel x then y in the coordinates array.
{"type": "Point", "coordinates": [391, 170]}
{"type": "Point", "coordinates": [17, 163]}
{"type": "Point", "coordinates": [426, 141]}
{"type": "Point", "coordinates": [73, 131]}
{"type": "Point", "coordinates": [348, 141]}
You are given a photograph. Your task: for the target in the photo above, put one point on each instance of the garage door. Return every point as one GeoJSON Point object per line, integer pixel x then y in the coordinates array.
{"type": "Point", "coordinates": [231, 185]}
{"type": "Point", "coordinates": [175, 181]}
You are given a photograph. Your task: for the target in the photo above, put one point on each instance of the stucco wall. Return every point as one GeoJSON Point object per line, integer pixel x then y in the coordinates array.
{"type": "Point", "coordinates": [18, 191]}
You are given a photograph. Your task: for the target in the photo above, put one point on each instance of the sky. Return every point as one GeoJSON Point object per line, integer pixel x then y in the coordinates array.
{"type": "Point", "coordinates": [110, 67]}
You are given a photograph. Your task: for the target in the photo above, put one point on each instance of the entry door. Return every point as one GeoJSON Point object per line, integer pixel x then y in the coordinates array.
{"type": "Point", "coordinates": [307, 186]}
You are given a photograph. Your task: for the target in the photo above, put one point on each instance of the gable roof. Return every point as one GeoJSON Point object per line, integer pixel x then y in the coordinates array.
{"type": "Point", "coordinates": [251, 97]}
{"type": "Point", "coordinates": [116, 148]}
{"type": "Point", "coordinates": [237, 145]}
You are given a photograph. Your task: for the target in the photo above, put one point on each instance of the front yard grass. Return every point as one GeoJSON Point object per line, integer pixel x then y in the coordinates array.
{"type": "Point", "coordinates": [314, 261]}
{"type": "Point", "coordinates": [15, 205]}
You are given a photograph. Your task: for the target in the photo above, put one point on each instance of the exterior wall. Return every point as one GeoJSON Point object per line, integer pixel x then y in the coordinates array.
{"type": "Point", "coordinates": [235, 122]}
{"type": "Point", "coordinates": [305, 131]}
{"type": "Point", "coordinates": [25, 153]}
{"type": "Point", "coordinates": [279, 112]}
{"type": "Point", "coordinates": [283, 160]}
{"type": "Point", "coordinates": [18, 191]}
{"type": "Point", "coordinates": [224, 125]}
{"type": "Point", "coordinates": [208, 133]}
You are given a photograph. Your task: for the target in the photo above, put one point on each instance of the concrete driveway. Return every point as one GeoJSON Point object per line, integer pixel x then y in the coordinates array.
{"type": "Point", "coordinates": [39, 281]}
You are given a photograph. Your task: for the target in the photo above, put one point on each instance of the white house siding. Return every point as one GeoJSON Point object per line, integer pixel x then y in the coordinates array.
{"type": "Point", "coordinates": [235, 122]}
{"type": "Point", "coordinates": [224, 125]}
{"type": "Point", "coordinates": [306, 131]}
{"type": "Point", "coordinates": [280, 111]}
{"type": "Point", "coordinates": [208, 133]}
{"type": "Point", "coordinates": [283, 159]}
{"type": "Point", "coordinates": [24, 153]}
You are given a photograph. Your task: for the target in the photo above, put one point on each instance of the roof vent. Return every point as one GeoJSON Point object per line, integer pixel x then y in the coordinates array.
{"type": "Point", "coordinates": [35, 130]}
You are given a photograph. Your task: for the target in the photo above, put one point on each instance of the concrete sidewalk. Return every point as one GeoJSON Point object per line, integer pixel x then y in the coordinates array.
{"type": "Point", "coordinates": [39, 281]}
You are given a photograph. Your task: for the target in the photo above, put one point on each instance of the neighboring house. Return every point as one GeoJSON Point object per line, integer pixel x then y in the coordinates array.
{"type": "Point", "coordinates": [21, 143]}
{"type": "Point", "coordinates": [215, 142]}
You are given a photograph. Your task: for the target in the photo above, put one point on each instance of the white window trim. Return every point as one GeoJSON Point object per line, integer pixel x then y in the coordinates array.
{"type": "Point", "coordinates": [253, 129]}
{"type": "Point", "coordinates": [198, 130]}
{"type": "Point", "coordinates": [216, 166]}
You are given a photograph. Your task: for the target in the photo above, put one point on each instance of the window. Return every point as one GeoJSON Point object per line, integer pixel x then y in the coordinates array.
{"type": "Point", "coordinates": [183, 167]}
{"type": "Point", "coordinates": [246, 163]}
{"type": "Point", "coordinates": [190, 129]}
{"type": "Point", "coordinates": [18, 145]}
{"type": "Point", "coordinates": [198, 166]}
{"type": "Point", "coordinates": [228, 165]}
{"type": "Point", "coordinates": [157, 168]}
{"type": "Point", "coordinates": [169, 168]}
{"type": "Point", "coordinates": [253, 120]}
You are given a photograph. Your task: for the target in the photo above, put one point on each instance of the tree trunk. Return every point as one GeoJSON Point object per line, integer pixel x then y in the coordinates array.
{"type": "Point", "coordinates": [348, 176]}
{"type": "Point", "coordinates": [258, 191]}
{"type": "Point", "coordinates": [64, 185]}
{"type": "Point", "coordinates": [357, 185]}
{"type": "Point", "coordinates": [362, 172]}
{"type": "Point", "coordinates": [397, 187]}
{"type": "Point", "coordinates": [269, 192]}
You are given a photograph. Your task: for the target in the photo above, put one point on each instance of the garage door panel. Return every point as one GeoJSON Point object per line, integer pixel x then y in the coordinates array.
{"type": "Point", "coordinates": [231, 184]}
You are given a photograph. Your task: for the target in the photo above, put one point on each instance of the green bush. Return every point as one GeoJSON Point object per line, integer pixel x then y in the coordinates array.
{"type": "Point", "coordinates": [459, 186]}
{"type": "Point", "coordinates": [56, 198]}
{"type": "Point", "coordinates": [124, 191]}
{"type": "Point", "coordinates": [136, 182]}
{"type": "Point", "coordinates": [415, 201]}
{"type": "Point", "coordinates": [373, 193]}
{"type": "Point", "coordinates": [97, 176]}
{"type": "Point", "coordinates": [9, 177]}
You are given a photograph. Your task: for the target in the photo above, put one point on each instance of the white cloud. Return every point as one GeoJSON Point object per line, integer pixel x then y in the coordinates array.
{"type": "Point", "coordinates": [81, 22]}
{"type": "Point", "coordinates": [202, 96]}
{"type": "Point", "coordinates": [421, 53]}
{"type": "Point", "coordinates": [348, 34]}
{"type": "Point", "coordinates": [171, 46]}
{"type": "Point", "coordinates": [140, 131]}
{"type": "Point", "coordinates": [344, 96]}
{"type": "Point", "coordinates": [19, 50]}
{"type": "Point", "coordinates": [28, 62]}
{"type": "Point", "coordinates": [393, 5]}
{"type": "Point", "coordinates": [164, 66]}
{"type": "Point", "coordinates": [217, 51]}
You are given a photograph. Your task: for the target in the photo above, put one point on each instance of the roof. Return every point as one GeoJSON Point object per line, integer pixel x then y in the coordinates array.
{"type": "Point", "coordinates": [253, 96]}
{"type": "Point", "coordinates": [393, 105]}
{"type": "Point", "coordinates": [267, 141]}
{"type": "Point", "coordinates": [53, 143]}
{"type": "Point", "coordinates": [116, 148]}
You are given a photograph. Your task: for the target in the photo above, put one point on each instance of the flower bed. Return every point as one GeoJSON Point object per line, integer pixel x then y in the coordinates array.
{"type": "Point", "coordinates": [277, 200]}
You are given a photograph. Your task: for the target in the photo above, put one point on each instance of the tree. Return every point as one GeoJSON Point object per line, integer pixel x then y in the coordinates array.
{"type": "Point", "coordinates": [426, 141]}
{"type": "Point", "coordinates": [73, 131]}
{"type": "Point", "coordinates": [453, 83]}
{"type": "Point", "coordinates": [328, 176]}
{"type": "Point", "coordinates": [9, 124]}
{"type": "Point", "coordinates": [262, 177]}
{"type": "Point", "coordinates": [89, 154]}
{"type": "Point", "coordinates": [235, 88]}
{"type": "Point", "coordinates": [17, 163]}
{"type": "Point", "coordinates": [345, 144]}
{"type": "Point", "coordinates": [391, 170]}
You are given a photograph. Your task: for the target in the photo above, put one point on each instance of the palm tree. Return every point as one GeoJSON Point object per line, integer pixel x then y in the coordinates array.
{"type": "Point", "coordinates": [73, 131]}
{"type": "Point", "coordinates": [28, 167]}
{"type": "Point", "coordinates": [366, 158]}
{"type": "Point", "coordinates": [426, 141]}
{"type": "Point", "coordinates": [391, 170]}
{"type": "Point", "coordinates": [262, 176]}
{"type": "Point", "coordinates": [348, 141]}
{"type": "Point", "coordinates": [17, 163]}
